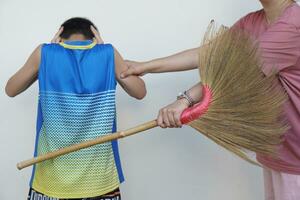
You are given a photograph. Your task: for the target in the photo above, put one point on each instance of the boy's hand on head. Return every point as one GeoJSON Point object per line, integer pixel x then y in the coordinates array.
{"type": "Point", "coordinates": [97, 35]}
{"type": "Point", "coordinates": [57, 38]}
{"type": "Point", "coordinates": [134, 68]}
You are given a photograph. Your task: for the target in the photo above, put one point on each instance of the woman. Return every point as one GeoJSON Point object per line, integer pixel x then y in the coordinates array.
{"type": "Point", "coordinates": [277, 29]}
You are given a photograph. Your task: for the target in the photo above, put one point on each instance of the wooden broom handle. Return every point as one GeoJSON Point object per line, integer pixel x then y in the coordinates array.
{"type": "Point", "coordinates": [99, 140]}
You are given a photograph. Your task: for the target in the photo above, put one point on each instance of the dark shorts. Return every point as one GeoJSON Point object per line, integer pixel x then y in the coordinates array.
{"type": "Point", "coordinates": [114, 195]}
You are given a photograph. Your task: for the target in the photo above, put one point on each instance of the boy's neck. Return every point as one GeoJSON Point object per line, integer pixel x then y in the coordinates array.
{"type": "Point", "coordinates": [76, 37]}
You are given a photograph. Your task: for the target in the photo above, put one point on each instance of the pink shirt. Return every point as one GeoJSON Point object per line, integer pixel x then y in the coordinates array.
{"type": "Point", "coordinates": [280, 47]}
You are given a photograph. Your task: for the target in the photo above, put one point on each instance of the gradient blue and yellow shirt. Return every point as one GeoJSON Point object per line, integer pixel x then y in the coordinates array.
{"type": "Point", "coordinates": [76, 103]}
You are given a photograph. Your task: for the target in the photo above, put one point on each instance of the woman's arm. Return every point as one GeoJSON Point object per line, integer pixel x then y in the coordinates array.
{"type": "Point", "coordinates": [185, 60]}
{"type": "Point", "coordinates": [133, 85]}
{"type": "Point", "coordinates": [26, 76]}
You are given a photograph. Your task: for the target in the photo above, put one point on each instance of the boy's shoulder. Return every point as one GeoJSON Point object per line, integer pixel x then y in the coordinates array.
{"type": "Point", "coordinates": [107, 46]}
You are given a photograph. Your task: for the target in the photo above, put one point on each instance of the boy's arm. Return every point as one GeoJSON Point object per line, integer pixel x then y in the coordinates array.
{"type": "Point", "coordinates": [26, 76]}
{"type": "Point", "coordinates": [133, 85]}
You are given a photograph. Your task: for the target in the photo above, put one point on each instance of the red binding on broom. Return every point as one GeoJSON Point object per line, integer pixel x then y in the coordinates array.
{"type": "Point", "coordinates": [193, 113]}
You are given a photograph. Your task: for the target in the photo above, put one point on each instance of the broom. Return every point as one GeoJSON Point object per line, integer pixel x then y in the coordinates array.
{"type": "Point", "coordinates": [240, 107]}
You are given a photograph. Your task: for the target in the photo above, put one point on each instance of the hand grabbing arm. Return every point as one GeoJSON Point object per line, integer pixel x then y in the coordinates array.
{"type": "Point", "coordinates": [133, 85]}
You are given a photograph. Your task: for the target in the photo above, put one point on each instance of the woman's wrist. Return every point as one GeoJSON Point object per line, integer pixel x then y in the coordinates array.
{"type": "Point", "coordinates": [195, 93]}
{"type": "Point", "coordinates": [184, 101]}
{"type": "Point", "coordinates": [187, 97]}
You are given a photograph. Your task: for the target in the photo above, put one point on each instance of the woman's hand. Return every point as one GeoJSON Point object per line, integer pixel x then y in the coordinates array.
{"type": "Point", "coordinates": [134, 68]}
{"type": "Point", "coordinates": [169, 116]}
{"type": "Point", "coordinates": [57, 38]}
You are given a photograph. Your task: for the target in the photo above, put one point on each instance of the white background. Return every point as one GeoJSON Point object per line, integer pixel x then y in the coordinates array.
{"type": "Point", "coordinates": [158, 164]}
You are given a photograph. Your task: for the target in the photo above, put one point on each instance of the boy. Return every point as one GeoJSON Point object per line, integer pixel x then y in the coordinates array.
{"type": "Point", "coordinates": [77, 81]}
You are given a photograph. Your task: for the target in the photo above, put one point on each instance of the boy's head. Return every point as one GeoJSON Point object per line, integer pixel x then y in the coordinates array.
{"type": "Point", "coordinates": [77, 25]}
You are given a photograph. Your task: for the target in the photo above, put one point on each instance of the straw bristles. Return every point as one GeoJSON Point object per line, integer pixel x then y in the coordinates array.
{"type": "Point", "coordinates": [246, 105]}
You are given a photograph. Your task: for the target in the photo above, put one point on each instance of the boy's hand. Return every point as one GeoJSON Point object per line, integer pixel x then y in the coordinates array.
{"type": "Point", "coordinates": [134, 68]}
{"type": "Point", "coordinates": [57, 38]}
{"type": "Point", "coordinates": [97, 35]}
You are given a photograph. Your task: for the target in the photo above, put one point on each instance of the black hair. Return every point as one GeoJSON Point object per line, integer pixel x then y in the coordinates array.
{"type": "Point", "coordinates": [77, 25]}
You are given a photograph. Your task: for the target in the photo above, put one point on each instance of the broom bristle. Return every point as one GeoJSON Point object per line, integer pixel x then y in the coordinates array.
{"type": "Point", "coordinates": [246, 106]}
